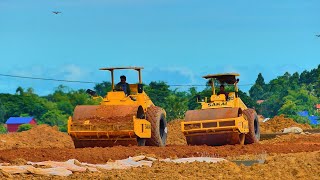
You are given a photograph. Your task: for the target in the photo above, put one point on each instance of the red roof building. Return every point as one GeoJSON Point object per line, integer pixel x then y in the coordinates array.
{"type": "Point", "coordinates": [13, 123]}
{"type": "Point", "coordinates": [260, 101]}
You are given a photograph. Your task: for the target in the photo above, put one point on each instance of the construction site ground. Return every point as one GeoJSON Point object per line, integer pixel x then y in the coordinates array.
{"type": "Point", "coordinates": [292, 156]}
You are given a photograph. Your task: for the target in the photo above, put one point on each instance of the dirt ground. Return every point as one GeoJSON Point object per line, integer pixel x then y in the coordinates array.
{"type": "Point", "coordinates": [292, 156]}
{"type": "Point", "coordinates": [279, 166]}
{"type": "Point", "coordinates": [175, 136]}
{"type": "Point", "coordinates": [278, 123]}
{"type": "Point", "coordinates": [47, 143]}
{"type": "Point", "coordinates": [283, 144]}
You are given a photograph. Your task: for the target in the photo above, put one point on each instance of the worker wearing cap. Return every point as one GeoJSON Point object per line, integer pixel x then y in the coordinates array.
{"type": "Point", "coordinates": [123, 85]}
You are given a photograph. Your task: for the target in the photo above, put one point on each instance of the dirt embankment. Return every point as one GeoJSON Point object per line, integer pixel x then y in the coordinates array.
{"type": "Point", "coordinates": [278, 123]}
{"type": "Point", "coordinates": [41, 136]}
{"type": "Point", "coordinates": [175, 136]}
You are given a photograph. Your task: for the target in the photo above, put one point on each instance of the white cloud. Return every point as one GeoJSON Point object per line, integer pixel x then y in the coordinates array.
{"type": "Point", "coordinates": [188, 73]}
{"type": "Point", "coordinates": [73, 72]}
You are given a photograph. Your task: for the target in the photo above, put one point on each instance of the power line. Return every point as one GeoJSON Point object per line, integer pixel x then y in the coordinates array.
{"type": "Point", "coordinates": [92, 82]}
{"type": "Point", "coordinates": [47, 79]}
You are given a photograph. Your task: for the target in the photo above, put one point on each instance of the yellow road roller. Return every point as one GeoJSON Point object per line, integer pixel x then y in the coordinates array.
{"type": "Point", "coordinates": [223, 118]}
{"type": "Point", "coordinates": [120, 119]}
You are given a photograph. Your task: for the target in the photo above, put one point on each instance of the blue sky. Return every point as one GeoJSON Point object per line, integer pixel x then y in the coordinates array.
{"type": "Point", "coordinates": [177, 41]}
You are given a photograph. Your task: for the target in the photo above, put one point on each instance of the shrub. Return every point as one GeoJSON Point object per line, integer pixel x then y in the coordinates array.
{"type": "Point", "coordinates": [24, 127]}
{"type": "Point", "coordinates": [3, 129]}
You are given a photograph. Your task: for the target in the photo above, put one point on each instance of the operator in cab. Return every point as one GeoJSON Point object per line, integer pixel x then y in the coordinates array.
{"type": "Point", "coordinates": [123, 85]}
{"type": "Point", "coordinates": [222, 91]}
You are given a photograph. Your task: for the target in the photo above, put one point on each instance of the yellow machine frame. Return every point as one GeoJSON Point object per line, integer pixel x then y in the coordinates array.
{"type": "Point", "coordinates": [204, 127]}
{"type": "Point", "coordinates": [141, 127]}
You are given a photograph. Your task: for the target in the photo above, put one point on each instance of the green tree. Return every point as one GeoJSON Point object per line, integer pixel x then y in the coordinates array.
{"type": "Point", "coordinates": [20, 91]}
{"type": "Point", "coordinates": [294, 81]}
{"type": "Point", "coordinates": [65, 106]}
{"type": "Point", "coordinates": [247, 100]}
{"type": "Point", "coordinates": [24, 115]}
{"type": "Point", "coordinates": [192, 99]}
{"type": "Point", "coordinates": [260, 80]}
{"type": "Point", "coordinates": [30, 91]}
{"type": "Point", "coordinates": [257, 90]}
{"type": "Point", "coordinates": [271, 106]}
{"type": "Point", "coordinates": [24, 127]}
{"type": "Point", "coordinates": [54, 118]}
{"type": "Point", "coordinates": [3, 129]}
{"type": "Point", "coordinates": [176, 105]}
{"type": "Point", "coordinates": [102, 88]}
{"type": "Point", "coordinates": [317, 83]}
{"type": "Point", "coordinates": [2, 112]}
{"type": "Point", "coordinates": [296, 101]}
{"type": "Point", "coordinates": [80, 97]}
{"type": "Point", "coordinates": [158, 92]}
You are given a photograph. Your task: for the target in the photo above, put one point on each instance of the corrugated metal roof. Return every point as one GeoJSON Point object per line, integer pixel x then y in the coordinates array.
{"type": "Point", "coordinates": [19, 120]}
{"type": "Point", "coordinates": [116, 68]}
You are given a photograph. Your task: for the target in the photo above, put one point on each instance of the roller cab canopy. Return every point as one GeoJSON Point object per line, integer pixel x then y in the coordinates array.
{"type": "Point", "coordinates": [111, 69]}
{"type": "Point", "coordinates": [119, 68]}
{"type": "Point", "coordinates": [229, 78]}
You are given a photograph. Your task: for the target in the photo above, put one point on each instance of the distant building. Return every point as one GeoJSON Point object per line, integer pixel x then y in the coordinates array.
{"type": "Point", "coordinates": [318, 107]}
{"type": "Point", "coordinates": [260, 101]}
{"type": "Point", "coordinates": [13, 123]}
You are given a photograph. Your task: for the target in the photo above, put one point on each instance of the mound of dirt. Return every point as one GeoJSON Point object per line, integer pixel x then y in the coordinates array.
{"type": "Point", "coordinates": [175, 136]}
{"type": "Point", "coordinates": [278, 123]}
{"type": "Point", "coordinates": [41, 136]}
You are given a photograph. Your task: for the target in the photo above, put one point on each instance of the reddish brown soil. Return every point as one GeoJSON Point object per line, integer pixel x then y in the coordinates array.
{"type": "Point", "coordinates": [42, 136]}
{"type": "Point", "coordinates": [305, 143]}
{"type": "Point", "coordinates": [294, 138]}
{"type": "Point", "coordinates": [175, 136]}
{"type": "Point", "coordinates": [278, 123]}
{"type": "Point", "coordinates": [280, 166]}
{"type": "Point", "coordinates": [105, 114]}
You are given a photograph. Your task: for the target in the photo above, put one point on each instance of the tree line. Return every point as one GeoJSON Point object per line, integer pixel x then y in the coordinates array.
{"type": "Point", "coordinates": [286, 94]}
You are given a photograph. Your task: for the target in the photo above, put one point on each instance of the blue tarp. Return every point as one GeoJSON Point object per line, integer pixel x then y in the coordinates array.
{"type": "Point", "coordinates": [314, 120]}
{"type": "Point", "coordinates": [303, 113]}
{"type": "Point", "coordinates": [19, 120]}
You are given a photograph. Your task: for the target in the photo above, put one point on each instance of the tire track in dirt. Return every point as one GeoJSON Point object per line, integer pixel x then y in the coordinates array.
{"type": "Point", "coordinates": [102, 155]}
